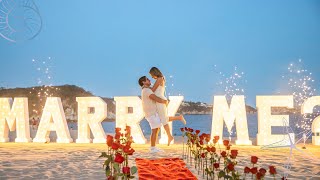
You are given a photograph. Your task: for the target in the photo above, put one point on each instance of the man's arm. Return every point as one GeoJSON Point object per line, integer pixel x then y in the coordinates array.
{"type": "Point", "coordinates": [157, 99]}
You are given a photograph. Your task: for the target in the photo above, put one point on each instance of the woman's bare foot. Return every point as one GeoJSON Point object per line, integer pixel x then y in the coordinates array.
{"type": "Point", "coordinates": [169, 140]}
{"type": "Point", "coordinates": [183, 120]}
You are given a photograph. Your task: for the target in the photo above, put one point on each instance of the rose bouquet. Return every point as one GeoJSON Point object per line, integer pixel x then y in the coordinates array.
{"type": "Point", "coordinates": [118, 150]}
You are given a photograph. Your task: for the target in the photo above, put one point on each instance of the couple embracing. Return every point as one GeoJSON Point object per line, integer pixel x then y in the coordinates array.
{"type": "Point", "coordinates": [154, 103]}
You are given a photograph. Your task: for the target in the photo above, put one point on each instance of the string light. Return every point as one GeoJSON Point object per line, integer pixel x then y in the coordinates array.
{"type": "Point", "coordinates": [91, 120]}
{"type": "Point", "coordinates": [53, 119]}
{"type": "Point", "coordinates": [236, 113]}
{"type": "Point", "coordinates": [14, 119]}
{"type": "Point", "coordinates": [266, 119]}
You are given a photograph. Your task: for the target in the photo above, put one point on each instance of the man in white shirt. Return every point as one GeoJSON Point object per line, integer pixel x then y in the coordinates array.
{"type": "Point", "coordinates": [149, 100]}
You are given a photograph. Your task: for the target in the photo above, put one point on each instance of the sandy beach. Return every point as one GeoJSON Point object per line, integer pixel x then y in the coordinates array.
{"type": "Point", "coordinates": [80, 161]}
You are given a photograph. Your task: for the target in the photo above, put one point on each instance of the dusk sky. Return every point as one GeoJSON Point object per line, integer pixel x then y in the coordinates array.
{"type": "Point", "coordinates": [105, 46]}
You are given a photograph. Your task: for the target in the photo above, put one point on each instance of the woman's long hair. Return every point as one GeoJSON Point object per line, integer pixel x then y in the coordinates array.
{"type": "Point", "coordinates": [154, 71]}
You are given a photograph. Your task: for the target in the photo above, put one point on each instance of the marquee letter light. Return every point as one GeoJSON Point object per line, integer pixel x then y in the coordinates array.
{"type": "Point", "coordinates": [15, 118]}
{"type": "Point", "coordinates": [129, 112]}
{"type": "Point", "coordinates": [173, 106]}
{"type": "Point", "coordinates": [237, 112]}
{"type": "Point", "coordinates": [91, 112]}
{"type": "Point", "coordinates": [53, 119]}
{"type": "Point", "coordinates": [266, 120]}
{"type": "Point", "coordinates": [307, 107]}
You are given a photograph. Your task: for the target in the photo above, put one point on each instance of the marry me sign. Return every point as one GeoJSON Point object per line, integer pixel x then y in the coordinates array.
{"type": "Point", "coordinates": [14, 116]}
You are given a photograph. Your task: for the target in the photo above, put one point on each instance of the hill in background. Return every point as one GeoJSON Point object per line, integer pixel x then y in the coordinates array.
{"type": "Point", "coordinates": [68, 93]}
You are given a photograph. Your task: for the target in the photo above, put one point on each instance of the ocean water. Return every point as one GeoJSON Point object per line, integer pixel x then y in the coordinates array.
{"type": "Point", "coordinates": [204, 124]}
{"type": "Point", "coordinates": [199, 122]}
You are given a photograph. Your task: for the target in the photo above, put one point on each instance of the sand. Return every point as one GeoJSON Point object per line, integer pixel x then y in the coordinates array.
{"type": "Point", "coordinates": [80, 161]}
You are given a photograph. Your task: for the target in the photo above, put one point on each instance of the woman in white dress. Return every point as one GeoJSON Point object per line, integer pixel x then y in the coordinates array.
{"type": "Point", "coordinates": [159, 90]}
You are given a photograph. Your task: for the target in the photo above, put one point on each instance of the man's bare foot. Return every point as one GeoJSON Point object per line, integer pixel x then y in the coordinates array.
{"type": "Point", "coordinates": [183, 120]}
{"type": "Point", "coordinates": [169, 140]}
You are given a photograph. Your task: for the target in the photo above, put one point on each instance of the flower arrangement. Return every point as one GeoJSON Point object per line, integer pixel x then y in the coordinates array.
{"type": "Point", "coordinates": [119, 148]}
{"type": "Point", "coordinates": [214, 162]}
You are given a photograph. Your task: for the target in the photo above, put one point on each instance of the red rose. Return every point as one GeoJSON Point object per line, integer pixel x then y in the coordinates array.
{"type": "Point", "coordinates": [216, 138]}
{"type": "Point", "coordinates": [185, 128]}
{"type": "Point", "coordinates": [191, 130]}
{"type": "Point", "coordinates": [259, 176]}
{"type": "Point", "coordinates": [247, 170]}
{"type": "Point", "coordinates": [262, 171]}
{"type": "Point", "coordinates": [127, 149]}
{"type": "Point", "coordinates": [117, 130]}
{"type": "Point", "coordinates": [197, 131]}
{"type": "Point", "coordinates": [201, 137]}
{"type": "Point", "coordinates": [126, 170]}
{"type": "Point", "coordinates": [225, 142]}
{"type": "Point", "coordinates": [201, 142]}
{"type": "Point", "coordinates": [110, 178]}
{"type": "Point", "coordinates": [228, 147]}
{"type": "Point", "coordinates": [213, 149]}
{"type": "Point", "coordinates": [224, 154]}
{"type": "Point", "coordinates": [203, 155]}
{"type": "Point", "coordinates": [272, 170]}
{"type": "Point", "coordinates": [208, 149]}
{"type": "Point", "coordinates": [283, 178]}
{"type": "Point", "coordinates": [216, 165]}
{"type": "Point", "coordinates": [230, 167]}
{"type": "Point", "coordinates": [117, 136]}
{"type": "Point", "coordinates": [234, 153]}
{"type": "Point", "coordinates": [119, 158]}
{"type": "Point", "coordinates": [208, 136]}
{"type": "Point", "coordinates": [115, 146]}
{"type": "Point", "coordinates": [254, 159]}
{"type": "Point", "coordinates": [254, 170]}
{"type": "Point", "coordinates": [109, 140]}
{"type": "Point", "coordinates": [182, 129]}
{"type": "Point", "coordinates": [207, 139]}
{"type": "Point", "coordinates": [131, 152]}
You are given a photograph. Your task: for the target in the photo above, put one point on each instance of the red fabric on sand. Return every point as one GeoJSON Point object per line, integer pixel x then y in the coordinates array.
{"type": "Point", "coordinates": [164, 169]}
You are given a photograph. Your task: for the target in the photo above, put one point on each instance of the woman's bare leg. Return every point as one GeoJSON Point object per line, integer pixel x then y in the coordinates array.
{"type": "Point", "coordinates": [170, 137]}
{"type": "Point", "coordinates": [177, 118]}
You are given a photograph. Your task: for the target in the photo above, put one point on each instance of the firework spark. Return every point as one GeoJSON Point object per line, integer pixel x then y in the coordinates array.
{"type": "Point", "coordinates": [301, 84]}
{"type": "Point", "coordinates": [233, 84]}
{"type": "Point", "coordinates": [170, 87]}
{"type": "Point", "coordinates": [44, 82]}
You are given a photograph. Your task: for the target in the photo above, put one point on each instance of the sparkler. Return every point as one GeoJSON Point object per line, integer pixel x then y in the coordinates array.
{"type": "Point", "coordinates": [170, 87]}
{"type": "Point", "coordinates": [44, 82]}
{"type": "Point", "coordinates": [232, 85]}
{"type": "Point", "coordinates": [301, 84]}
